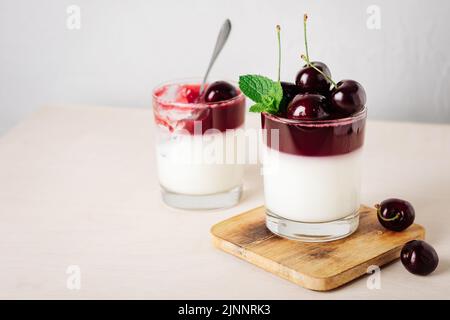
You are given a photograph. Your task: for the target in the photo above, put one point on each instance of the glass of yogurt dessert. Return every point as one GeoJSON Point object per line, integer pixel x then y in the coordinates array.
{"type": "Point", "coordinates": [313, 134]}
{"type": "Point", "coordinates": [195, 146]}
{"type": "Point", "coordinates": [312, 190]}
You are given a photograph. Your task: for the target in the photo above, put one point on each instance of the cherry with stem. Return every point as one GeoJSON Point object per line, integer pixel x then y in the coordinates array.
{"type": "Point", "coordinates": [308, 62]}
{"type": "Point", "coordinates": [346, 96]}
{"type": "Point", "coordinates": [308, 79]}
{"type": "Point", "coordinates": [395, 214]}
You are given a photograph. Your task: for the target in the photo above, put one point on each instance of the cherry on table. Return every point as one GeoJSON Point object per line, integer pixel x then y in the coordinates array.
{"type": "Point", "coordinates": [419, 257]}
{"type": "Point", "coordinates": [220, 91]}
{"type": "Point", "coordinates": [307, 107]}
{"type": "Point", "coordinates": [395, 214]}
{"type": "Point", "coordinates": [310, 80]}
{"type": "Point", "coordinates": [349, 97]}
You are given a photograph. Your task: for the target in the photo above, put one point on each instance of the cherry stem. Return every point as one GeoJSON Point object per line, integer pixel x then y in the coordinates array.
{"type": "Point", "coordinates": [378, 207]}
{"type": "Point", "coordinates": [279, 51]}
{"type": "Point", "coordinates": [305, 18]}
{"type": "Point", "coordinates": [318, 70]}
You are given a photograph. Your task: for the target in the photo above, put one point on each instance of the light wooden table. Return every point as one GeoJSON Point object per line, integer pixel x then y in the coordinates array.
{"type": "Point", "coordinates": [78, 187]}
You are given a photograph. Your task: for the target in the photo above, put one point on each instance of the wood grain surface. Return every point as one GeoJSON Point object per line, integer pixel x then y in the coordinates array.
{"type": "Point", "coordinates": [316, 266]}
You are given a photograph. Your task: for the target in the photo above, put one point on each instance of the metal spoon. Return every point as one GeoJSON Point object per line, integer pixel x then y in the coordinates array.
{"type": "Point", "coordinates": [221, 40]}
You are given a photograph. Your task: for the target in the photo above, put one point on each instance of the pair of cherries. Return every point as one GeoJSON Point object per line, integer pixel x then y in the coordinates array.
{"type": "Point", "coordinates": [417, 256]}
{"type": "Point", "coordinates": [311, 98]}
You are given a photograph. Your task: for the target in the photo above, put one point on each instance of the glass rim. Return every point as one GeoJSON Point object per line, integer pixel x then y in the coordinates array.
{"type": "Point", "coordinates": [194, 80]}
{"type": "Point", "coordinates": [319, 123]}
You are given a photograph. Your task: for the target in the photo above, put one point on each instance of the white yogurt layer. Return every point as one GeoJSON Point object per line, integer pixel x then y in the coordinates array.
{"type": "Point", "coordinates": [312, 189]}
{"type": "Point", "coordinates": [197, 165]}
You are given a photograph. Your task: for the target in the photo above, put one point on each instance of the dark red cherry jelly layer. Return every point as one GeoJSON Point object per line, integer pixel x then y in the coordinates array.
{"type": "Point", "coordinates": [181, 110]}
{"type": "Point", "coordinates": [315, 138]}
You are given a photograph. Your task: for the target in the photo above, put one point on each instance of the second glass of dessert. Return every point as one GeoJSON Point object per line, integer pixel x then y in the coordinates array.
{"type": "Point", "coordinates": [195, 149]}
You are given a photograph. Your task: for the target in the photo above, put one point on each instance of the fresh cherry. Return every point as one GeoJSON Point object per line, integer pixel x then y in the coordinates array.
{"type": "Point", "coordinates": [395, 214]}
{"type": "Point", "coordinates": [419, 257]}
{"type": "Point", "coordinates": [219, 91]}
{"type": "Point", "coordinates": [349, 97]}
{"type": "Point", "coordinates": [290, 90]}
{"type": "Point", "coordinates": [312, 81]}
{"type": "Point", "coordinates": [307, 107]}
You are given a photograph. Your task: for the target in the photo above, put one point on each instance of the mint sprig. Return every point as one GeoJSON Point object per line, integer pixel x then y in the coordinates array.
{"type": "Point", "coordinates": [266, 93]}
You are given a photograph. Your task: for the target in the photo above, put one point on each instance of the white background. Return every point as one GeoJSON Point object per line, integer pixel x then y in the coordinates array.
{"type": "Point", "coordinates": [124, 48]}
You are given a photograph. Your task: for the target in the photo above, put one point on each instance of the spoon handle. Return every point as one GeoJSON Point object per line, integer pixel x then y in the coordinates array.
{"type": "Point", "coordinates": [221, 40]}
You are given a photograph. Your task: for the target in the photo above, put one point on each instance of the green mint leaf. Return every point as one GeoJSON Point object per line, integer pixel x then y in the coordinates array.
{"type": "Point", "coordinates": [255, 86]}
{"type": "Point", "coordinates": [277, 93]}
{"type": "Point", "coordinates": [258, 107]}
{"type": "Point", "coordinates": [265, 92]}
{"type": "Point", "coordinates": [267, 100]}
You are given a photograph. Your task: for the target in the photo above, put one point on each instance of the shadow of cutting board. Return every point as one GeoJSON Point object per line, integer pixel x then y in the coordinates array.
{"type": "Point", "coordinates": [316, 266]}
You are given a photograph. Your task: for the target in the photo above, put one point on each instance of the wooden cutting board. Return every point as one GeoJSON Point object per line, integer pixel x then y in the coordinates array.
{"type": "Point", "coordinates": [316, 266]}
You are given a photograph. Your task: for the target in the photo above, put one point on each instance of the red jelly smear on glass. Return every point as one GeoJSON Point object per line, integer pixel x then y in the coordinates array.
{"type": "Point", "coordinates": [187, 112]}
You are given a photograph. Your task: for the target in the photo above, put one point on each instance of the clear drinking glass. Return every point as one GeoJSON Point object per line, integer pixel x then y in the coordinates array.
{"type": "Point", "coordinates": [312, 190]}
{"type": "Point", "coordinates": [195, 167]}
